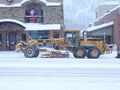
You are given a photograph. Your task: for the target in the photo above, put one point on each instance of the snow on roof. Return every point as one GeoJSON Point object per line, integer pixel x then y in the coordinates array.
{"type": "Point", "coordinates": [53, 4]}
{"type": "Point", "coordinates": [100, 26]}
{"type": "Point", "coordinates": [109, 3]}
{"type": "Point", "coordinates": [22, 2]}
{"type": "Point", "coordinates": [36, 26]}
{"type": "Point", "coordinates": [12, 20]}
{"type": "Point", "coordinates": [108, 13]}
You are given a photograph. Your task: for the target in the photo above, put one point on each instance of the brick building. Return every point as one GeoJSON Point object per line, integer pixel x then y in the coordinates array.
{"type": "Point", "coordinates": [102, 9]}
{"type": "Point", "coordinates": [108, 25]}
{"type": "Point", "coordinates": [38, 18]}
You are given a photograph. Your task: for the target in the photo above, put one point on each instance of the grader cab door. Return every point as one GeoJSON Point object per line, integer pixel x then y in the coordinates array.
{"type": "Point", "coordinates": [72, 37]}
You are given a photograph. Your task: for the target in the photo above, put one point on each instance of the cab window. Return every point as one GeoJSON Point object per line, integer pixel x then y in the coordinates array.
{"type": "Point", "coordinates": [72, 38]}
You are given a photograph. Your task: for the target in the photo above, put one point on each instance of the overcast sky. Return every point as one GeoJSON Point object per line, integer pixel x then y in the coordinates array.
{"type": "Point", "coordinates": [78, 14]}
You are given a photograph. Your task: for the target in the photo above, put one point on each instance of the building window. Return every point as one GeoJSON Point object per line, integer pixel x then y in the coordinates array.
{"type": "Point", "coordinates": [108, 11]}
{"type": "Point", "coordinates": [24, 37]}
{"type": "Point", "coordinates": [0, 40]}
{"type": "Point", "coordinates": [39, 34]}
{"type": "Point", "coordinates": [56, 35]}
{"type": "Point", "coordinates": [9, 1]}
{"type": "Point", "coordinates": [96, 14]}
{"type": "Point", "coordinates": [34, 16]}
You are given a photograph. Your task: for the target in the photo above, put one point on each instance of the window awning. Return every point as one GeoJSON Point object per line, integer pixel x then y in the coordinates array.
{"type": "Point", "coordinates": [36, 26]}
{"type": "Point", "coordinates": [100, 26]}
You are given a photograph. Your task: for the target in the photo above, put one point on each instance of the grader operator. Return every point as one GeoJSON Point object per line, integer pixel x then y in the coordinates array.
{"type": "Point", "coordinates": [79, 46]}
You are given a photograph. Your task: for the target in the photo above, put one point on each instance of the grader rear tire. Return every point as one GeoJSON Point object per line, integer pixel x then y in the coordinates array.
{"type": "Point", "coordinates": [79, 52]}
{"type": "Point", "coordinates": [93, 52]}
{"type": "Point", "coordinates": [30, 52]}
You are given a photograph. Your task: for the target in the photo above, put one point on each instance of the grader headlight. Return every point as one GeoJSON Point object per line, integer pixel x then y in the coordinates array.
{"type": "Point", "coordinates": [18, 47]}
{"type": "Point", "coordinates": [101, 41]}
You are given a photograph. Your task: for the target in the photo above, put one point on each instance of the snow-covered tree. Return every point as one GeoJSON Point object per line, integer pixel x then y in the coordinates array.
{"type": "Point", "coordinates": [78, 14]}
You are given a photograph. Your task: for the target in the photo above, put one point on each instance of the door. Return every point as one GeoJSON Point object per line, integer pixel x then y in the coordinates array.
{"type": "Point", "coordinates": [12, 40]}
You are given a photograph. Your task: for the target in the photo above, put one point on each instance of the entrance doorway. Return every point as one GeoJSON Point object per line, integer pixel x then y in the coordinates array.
{"type": "Point", "coordinates": [12, 40]}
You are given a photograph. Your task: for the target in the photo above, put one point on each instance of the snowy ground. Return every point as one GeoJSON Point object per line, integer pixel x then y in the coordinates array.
{"type": "Point", "coordinates": [20, 73]}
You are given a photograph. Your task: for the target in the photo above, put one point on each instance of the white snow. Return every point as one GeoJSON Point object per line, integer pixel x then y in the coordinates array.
{"type": "Point", "coordinates": [53, 4]}
{"type": "Point", "coordinates": [108, 13]}
{"type": "Point", "coordinates": [12, 20]}
{"type": "Point", "coordinates": [113, 2]}
{"type": "Point", "coordinates": [20, 73]}
{"type": "Point", "coordinates": [36, 26]}
{"type": "Point", "coordinates": [100, 26]}
{"type": "Point", "coordinates": [23, 1]}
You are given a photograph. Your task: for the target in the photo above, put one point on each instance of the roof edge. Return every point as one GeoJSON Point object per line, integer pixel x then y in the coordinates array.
{"type": "Point", "coordinates": [100, 26]}
{"type": "Point", "coordinates": [24, 1]}
{"type": "Point", "coordinates": [14, 21]}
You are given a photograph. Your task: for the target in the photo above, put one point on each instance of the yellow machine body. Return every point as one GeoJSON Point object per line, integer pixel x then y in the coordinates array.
{"type": "Point", "coordinates": [73, 42]}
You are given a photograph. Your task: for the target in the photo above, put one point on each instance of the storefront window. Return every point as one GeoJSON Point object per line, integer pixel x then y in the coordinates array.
{"type": "Point", "coordinates": [11, 41]}
{"type": "Point", "coordinates": [39, 34]}
{"type": "Point", "coordinates": [34, 16]}
{"type": "Point", "coordinates": [24, 37]}
{"type": "Point", "coordinates": [56, 35]}
{"type": "Point", "coordinates": [0, 40]}
{"type": "Point", "coordinates": [9, 1]}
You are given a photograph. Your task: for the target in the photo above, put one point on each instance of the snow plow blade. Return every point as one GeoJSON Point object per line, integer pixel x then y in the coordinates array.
{"type": "Point", "coordinates": [55, 54]}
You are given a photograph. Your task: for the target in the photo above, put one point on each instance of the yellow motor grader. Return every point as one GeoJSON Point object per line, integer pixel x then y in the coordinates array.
{"type": "Point", "coordinates": [79, 46]}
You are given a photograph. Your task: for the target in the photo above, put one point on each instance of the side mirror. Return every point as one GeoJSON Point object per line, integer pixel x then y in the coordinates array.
{"type": "Point", "coordinates": [111, 46]}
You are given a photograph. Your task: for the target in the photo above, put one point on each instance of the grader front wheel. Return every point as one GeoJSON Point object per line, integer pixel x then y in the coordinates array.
{"type": "Point", "coordinates": [30, 52]}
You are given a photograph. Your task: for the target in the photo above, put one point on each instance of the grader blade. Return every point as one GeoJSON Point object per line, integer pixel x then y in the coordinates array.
{"type": "Point", "coordinates": [55, 54]}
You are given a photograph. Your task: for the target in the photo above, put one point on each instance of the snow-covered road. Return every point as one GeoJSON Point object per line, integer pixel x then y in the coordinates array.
{"type": "Point", "coordinates": [20, 73]}
{"type": "Point", "coordinates": [60, 72]}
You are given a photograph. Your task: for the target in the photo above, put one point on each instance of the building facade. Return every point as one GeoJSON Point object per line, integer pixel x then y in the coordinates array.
{"type": "Point", "coordinates": [108, 25]}
{"type": "Point", "coordinates": [103, 9]}
{"type": "Point", "coordinates": [38, 18]}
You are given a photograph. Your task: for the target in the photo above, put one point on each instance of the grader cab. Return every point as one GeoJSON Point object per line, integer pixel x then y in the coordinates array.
{"type": "Point", "coordinates": [80, 47]}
